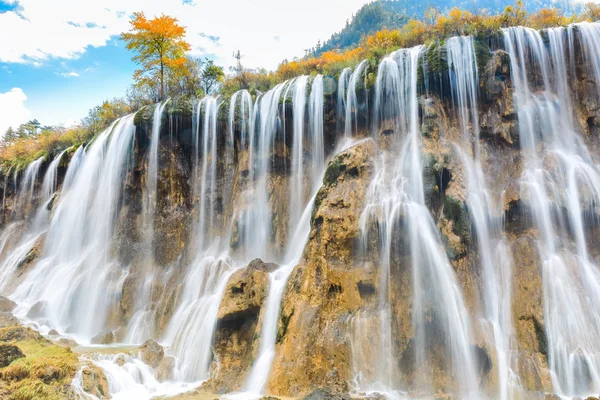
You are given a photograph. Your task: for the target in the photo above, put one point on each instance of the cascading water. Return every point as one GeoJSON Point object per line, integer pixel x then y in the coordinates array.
{"type": "Point", "coordinates": [352, 112]}
{"type": "Point", "coordinates": [297, 167]}
{"type": "Point", "coordinates": [560, 181]}
{"type": "Point", "coordinates": [77, 245]}
{"type": "Point", "coordinates": [395, 201]}
{"type": "Point", "coordinates": [343, 82]}
{"type": "Point", "coordinates": [486, 218]}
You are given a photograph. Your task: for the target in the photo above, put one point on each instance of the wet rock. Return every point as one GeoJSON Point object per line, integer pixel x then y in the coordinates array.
{"type": "Point", "coordinates": [164, 371]}
{"type": "Point", "coordinates": [323, 394]}
{"type": "Point", "coordinates": [37, 310]}
{"type": "Point", "coordinates": [552, 397]}
{"type": "Point", "coordinates": [238, 319]}
{"type": "Point", "coordinates": [105, 337]}
{"type": "Point", "coordinates": [7, 319]}
{"type": "Point", "coordinates": [120, 360]}
{"type": "Point", "coordinates": [6, 304]}
{"type": "Point", "coordinates": [152, 353]}
{"type": "Point", "coordinates": [53, 332]}
{"type": "Point", "coordinates": [8, 354]}
{"type": "Point", "coordinates": [67, 342]}
{"type": "Point", "coordinates": [94, 381]}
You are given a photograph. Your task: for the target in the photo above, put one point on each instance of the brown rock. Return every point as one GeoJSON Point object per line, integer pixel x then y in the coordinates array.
{"type": "Point", "coordinates": [6, 304]}
{"type": "Point", "coordinates": [7, 319]}
{"type": "Point", "coordinates": [67, 342]}
{"type": "Point", "coordinates": [105, 337]}
{"type": "Point", "coordinates": [238, 318]}
{"type": "Point", "coordinates": [53, 332]}
{"type": "Point", "coordinates": [94, 381]}
{"type": "Point", "coordinates": [152, 353]}
{"type": "Point", "coordinates": [164, 371]}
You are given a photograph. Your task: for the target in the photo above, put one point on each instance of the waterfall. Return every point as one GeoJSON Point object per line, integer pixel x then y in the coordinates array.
{"type": "Point", "coordinates": [396, 203]}
{"type": "Point", "coordinates": [351, 119]}
{"type": "Point", "coordinates": [77, 246]}
{"type": "Point", "coordinates": [343, 82]}
{"type": "Point", "coordinates": [255, 219]}
{"type": "Point", "coordinates": [50, 179]}
{"type": "Point", "coordinates": [316, 127]}
{"type": "Point", "coordinates": [493, 251]}
{"type": "Point", "coordinates": [297, 156]}
{"type": "Point", "coordinates": [28, 182]}
{"type": "Point", "coordinates": [556, 192]}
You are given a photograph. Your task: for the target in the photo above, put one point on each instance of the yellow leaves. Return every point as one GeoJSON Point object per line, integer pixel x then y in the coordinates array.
{"type": "Point", "coordinates": [547, 18]}
{"type": "Point", "coordinates": [160, 47]}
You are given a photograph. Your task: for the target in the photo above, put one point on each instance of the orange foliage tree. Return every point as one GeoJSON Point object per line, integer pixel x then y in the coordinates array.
{"type": "Point", "coordinates": [160, 47]}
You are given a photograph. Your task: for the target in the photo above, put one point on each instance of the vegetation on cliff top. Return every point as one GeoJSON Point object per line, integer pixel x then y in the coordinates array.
{"type": "Point", "coordinates": [188, 77]}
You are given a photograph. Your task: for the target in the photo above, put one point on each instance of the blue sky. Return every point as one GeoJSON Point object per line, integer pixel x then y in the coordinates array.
{"type": "Point", "coordinates": [60, 58]}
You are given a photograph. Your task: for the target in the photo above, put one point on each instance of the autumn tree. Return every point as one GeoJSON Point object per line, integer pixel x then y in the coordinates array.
{"type": "Point", "coordinates": [160, 47]}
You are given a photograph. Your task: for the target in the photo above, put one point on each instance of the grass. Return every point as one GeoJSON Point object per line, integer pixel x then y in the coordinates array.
{"type": "Point", "coordinates": [45, 372]}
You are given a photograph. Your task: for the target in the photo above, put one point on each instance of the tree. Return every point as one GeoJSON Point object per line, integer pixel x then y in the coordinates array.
{"type": "Point", "coordinates": [186, 80]}
{"type": "Point", "coordinates": [9, 136]}
{"type": "Point", "coordinates": [160, 48]}
{"type": "Point", "coordinates": [212, 75]}
{"type": "Point", "coordinates": [29, 128]}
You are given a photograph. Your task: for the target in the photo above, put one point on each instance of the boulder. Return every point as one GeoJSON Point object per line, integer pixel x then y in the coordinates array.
{"type": "Point", "coordinates": [37, 310]}
{"type": "Point", "coordinates": [64, 342]}
{"type": "Point", "coordinates": [323, 394]}
{"type": "Point", "coordinates": [164, 371]}
{"type": "Point", "coordinates": [152, 353]}
{"type": "Point", "coordinates": [238, 319]}
{"type": "Point", "coordinates": [6, 304]}
{"type": "Point", "coordinates": [106, 336]}
{"type": "Point", "coordinates": [8, 354]}
{"type": "Point", "coordinates": [53, 332]}
{"type": "Point", "coordinates": [93, 381]}
{"type": "Point", "coordinates": [7, 319]}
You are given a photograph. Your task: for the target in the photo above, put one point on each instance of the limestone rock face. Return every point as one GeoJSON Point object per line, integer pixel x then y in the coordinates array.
{"type": "Point", "coordinates": [152, 353]}
{"type": "Point", "coordinates": [6, 305]}
{"type": "Point", "coordinates": [164, 371]}
{"type": "Point", "coordinates": [528, 315]}
{"type": "Point", "coordinates": [239, 317]}
{"type": "Point", "coordinates": [105, 337]}
{"type": "Point", "coordinates": [313, 349]}
{"type": "Point", "coordinates": [94, 382]}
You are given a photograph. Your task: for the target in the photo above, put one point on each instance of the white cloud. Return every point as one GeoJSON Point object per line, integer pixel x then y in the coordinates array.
{"type": "Point", "coordinates": [266, 31]}
{"type": "Point", "coordinates": [69, 74]}
{"type": "Point", "coordinates": [14, 112]}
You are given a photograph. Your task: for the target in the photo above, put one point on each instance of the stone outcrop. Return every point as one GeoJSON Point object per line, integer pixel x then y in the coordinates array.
{"type": "Point", "coordinates": [105, 337]}
{"type": "Point", "coordinates": [238, 325]}
{"type": "Point", "coordinates": [93, 381]}
{"type": "Point", "coordinates": [7, 319]}
{"type": "Point", "coordinates": [326, 287]}
{"type": "Point", "coordinates": [152, 353]}
{"type": "Point", "coordinates": [7, 305]}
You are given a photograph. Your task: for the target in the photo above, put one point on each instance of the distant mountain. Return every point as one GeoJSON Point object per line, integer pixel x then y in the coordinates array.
{"type": "Point", "coordinates": [393, 14]}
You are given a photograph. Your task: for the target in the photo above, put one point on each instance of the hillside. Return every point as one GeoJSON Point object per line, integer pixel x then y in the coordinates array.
{"type": "Point", "coordinates": [393, 14]}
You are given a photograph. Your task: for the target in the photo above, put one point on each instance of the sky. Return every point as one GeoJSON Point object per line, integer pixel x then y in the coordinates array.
{"type": "Point", "coordinates": [59, 58]}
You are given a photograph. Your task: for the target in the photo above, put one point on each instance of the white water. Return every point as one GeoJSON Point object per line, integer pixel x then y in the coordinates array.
{"type": "Point", "coordinates": [558, 193]}
{"type": "Point", "coordinates": [352, 112]}
{"type": "Point", "coordinates": [395, 200]}
{"type": "Point", "coordinates": [486, 217]}
{"type": "Point", "coordinates": [76, 249]}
